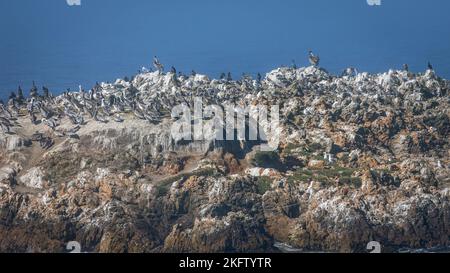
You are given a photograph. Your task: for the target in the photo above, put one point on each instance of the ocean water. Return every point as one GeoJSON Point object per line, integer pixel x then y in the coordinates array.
{"type": "Point", "coordinates": [62, 46]}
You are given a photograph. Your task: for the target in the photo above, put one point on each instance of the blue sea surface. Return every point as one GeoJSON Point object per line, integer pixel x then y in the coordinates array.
{"type": "Point", "coordinates": [62, 46]}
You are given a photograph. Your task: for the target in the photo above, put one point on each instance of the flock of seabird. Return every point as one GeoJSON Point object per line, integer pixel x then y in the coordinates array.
{"type": "Point", "coordinates": [103, 106]}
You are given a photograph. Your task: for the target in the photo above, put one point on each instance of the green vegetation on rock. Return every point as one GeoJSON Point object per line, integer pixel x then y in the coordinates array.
{"type": "Point", "coordinates": [263, 184]}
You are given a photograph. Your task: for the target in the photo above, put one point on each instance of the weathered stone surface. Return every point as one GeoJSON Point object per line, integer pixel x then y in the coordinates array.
{"type": "Point", "coordinates": [360, 158]}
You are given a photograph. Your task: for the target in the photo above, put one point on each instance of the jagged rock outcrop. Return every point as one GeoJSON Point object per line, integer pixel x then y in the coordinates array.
{"type": "Point", "coordinates": [360, 158]}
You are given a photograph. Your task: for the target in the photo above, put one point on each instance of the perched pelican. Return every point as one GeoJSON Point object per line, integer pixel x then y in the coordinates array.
{"type": "Point", "coordinates": [50, 123]}
{"type": "Point", "coordinates": [157, 64]}
{"type": "Point", "coordinates": [46, 142]}
{"type": "Point", "coordinates": [33, 118]}
{"type": "Point", "coordinates": [73, 135]}
{"type": "Point", "coordinates": [36, 136]}
{"type": "Point", "coordinates": [5, 111]}
{"type": "Point", "coordinates": [75, 119]}
{"type": "Point", "coordinates": [5, 124]}
{"type": "Point", "coordinates": [406, 67]}
{"type": "Point", "coordinates": [100, 118]}
{"type": "Point", "coordinates": [74, 130]}
{"type": "Point", "coordinates": [34, 91]}
{"type": "Point", "coordinates": [313, 59]}
{"type": "Point", "coordinates": [59, 133]}
{"type": "Point", "coordinates": [45, 112]}
{"type": "Point", "coordinates": [138, 114]}
{"type": "Point", "coordinates": [45, 91]}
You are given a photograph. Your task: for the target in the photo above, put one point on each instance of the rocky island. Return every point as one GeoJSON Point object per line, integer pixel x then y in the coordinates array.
{"type": "Point", "coordinates": [362, 157]}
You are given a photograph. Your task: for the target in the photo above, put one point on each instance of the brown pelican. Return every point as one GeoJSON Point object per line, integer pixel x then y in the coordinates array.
{"type": "Point", "coordinates": [50, 123]}
{"type": "Point", "coordinates": [46, 142]}
{"type": "Point", "coordinates": [4, 110]}
{"type": "Point", "coordinates": [100, 118]}
{"type": "Point", "coordinates": [76, 119]}
{"type": "Point", "coordinates": [5, 125]}
{"type": "Point", "coordinates": [138, 114]}
{"type": "Point", "coordinates": [74, 130]}
{"type": "Point", "coordinates": [13, 107]}
{"type": "Point", "coordinates": [37, 136]}
{"type": "Point", "coordinates": [34, 91]}
{"type": "Point", "coordinates": [157, 64]}
{"type": "Point", "coordinates": [46, 113]}
{"type": "Point", "coordinates": [59, 133]}
{"type": "Point", "coordinates": [313, 59]}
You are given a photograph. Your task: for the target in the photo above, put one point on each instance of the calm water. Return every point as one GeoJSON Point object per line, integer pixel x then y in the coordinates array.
{"type": "Point", "coordinates": [60, 46]}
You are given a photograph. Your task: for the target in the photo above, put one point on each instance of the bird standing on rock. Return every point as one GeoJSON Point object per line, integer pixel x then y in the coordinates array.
{"type": "Point", "coordinates": [51, 123]}
{"type": "Point", "coordinates": [5, 125]}
{"type": "Point", "coordinates": [34, 91]}
{"type": "Point", "coordinates": [157, 64]}
{"type": "Point", "coordinates": [45, 92]}
{"type": "Point", "coordinates": [313, 59]}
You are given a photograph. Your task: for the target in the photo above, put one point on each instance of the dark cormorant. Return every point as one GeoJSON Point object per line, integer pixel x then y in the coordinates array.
{"type": "Point", "coordinates": [229, 78]}
{"type": "Point", "coordinates": [12, 96]}
{"type": "Point", "coordinates": [20, 96]}
{"type": "Point", "coordinates": [258, 77]}
{"type": "Point", "coordinates": [430, 67]}
{"type": "Point", "coordinates": [45, 92]}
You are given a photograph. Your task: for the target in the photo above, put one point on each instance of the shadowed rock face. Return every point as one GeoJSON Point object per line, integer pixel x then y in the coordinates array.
{"type": "Point", "coordinates": [363, 158]}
